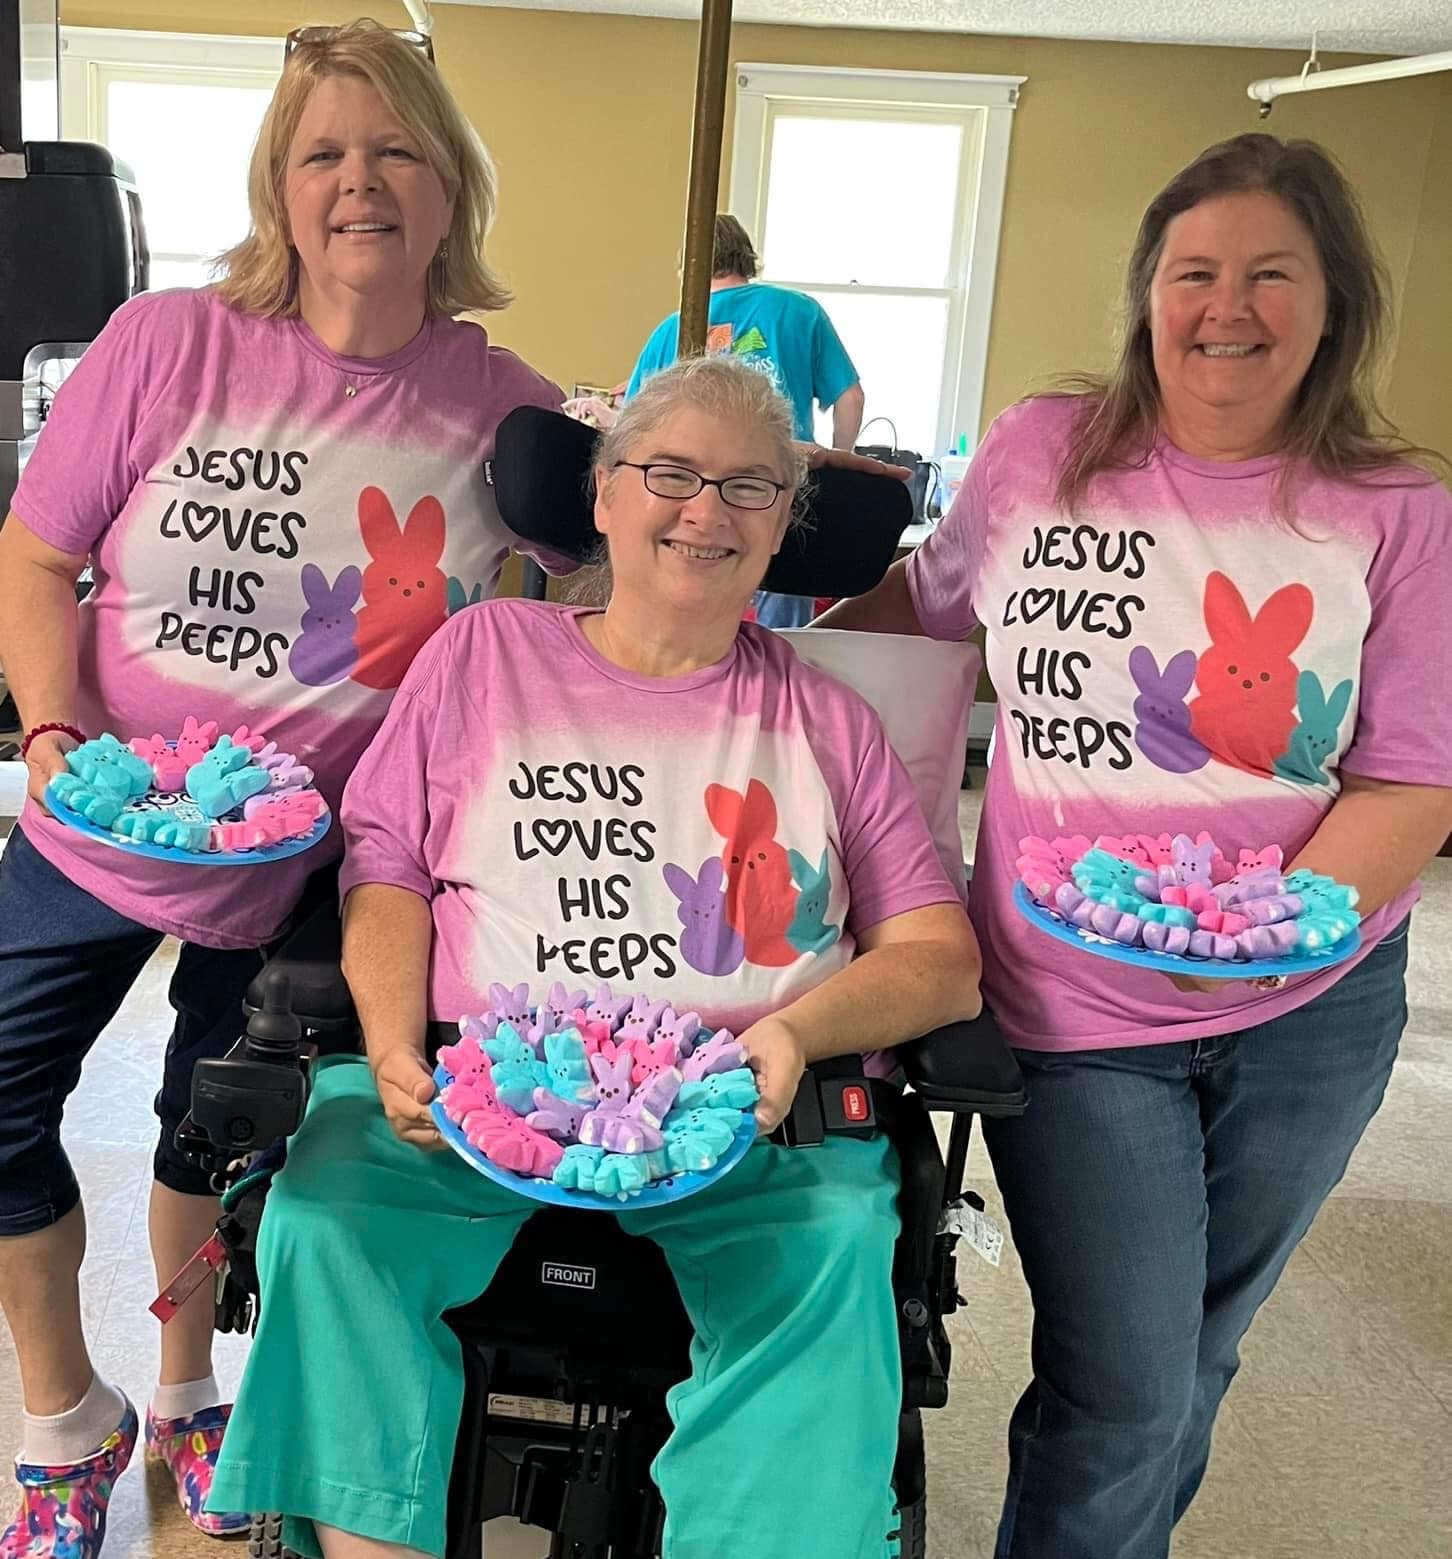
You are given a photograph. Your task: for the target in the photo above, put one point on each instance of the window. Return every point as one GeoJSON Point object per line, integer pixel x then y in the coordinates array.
{"type": "Point", "coordinates": [182, 113]}
{"type": "Point", "coordinates": [880, 193]}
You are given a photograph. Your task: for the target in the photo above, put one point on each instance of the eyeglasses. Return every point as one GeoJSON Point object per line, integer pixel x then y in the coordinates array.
{"type": "Point", "coordinates": [741, 492]}
{"type": "Point", "coordinates": [300, 36]}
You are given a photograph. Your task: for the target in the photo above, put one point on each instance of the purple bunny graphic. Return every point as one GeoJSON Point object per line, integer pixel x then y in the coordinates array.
{"type": "Point", "coordinates": [327, 649]}
{"type": "Point", "coordinates": [709, 944]}
{"type": "Point", "coordinates": [1163, 734]}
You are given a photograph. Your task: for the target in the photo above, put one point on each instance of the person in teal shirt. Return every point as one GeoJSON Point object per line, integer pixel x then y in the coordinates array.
{"type": "Point", "coordinates": [788, 336]}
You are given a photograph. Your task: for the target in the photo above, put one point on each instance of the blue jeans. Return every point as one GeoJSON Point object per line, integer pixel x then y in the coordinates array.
{"type": "Point", "coordinates": [1155, 1195]}
{"type": "Point", "coordinates": [66, 964]}
{"type": "Point", "coordinates": [783, 611]}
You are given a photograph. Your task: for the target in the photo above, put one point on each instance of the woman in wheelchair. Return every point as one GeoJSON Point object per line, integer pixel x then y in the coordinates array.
{"type": "Point", "coordinates": [659, 795]}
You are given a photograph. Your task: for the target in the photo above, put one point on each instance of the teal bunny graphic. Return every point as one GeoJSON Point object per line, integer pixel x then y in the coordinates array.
{"type": "Point", "coordinates": [1314, 739]}
{"type": "Point", "coordinates": [809, 931]}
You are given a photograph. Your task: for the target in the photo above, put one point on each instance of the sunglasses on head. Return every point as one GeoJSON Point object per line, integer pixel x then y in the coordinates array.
{"type": "Point", "coordinates": [300, 37]}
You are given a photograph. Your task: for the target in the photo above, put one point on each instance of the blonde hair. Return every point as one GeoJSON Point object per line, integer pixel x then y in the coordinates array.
{"type": "Point", "coordinates": [259, 275]}
{"type": "Point", "coordinates": [1335, 424]}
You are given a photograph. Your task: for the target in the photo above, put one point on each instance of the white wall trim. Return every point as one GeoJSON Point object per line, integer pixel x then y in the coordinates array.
{"type": "Point", "coordinates": [89, 54]}
{"type": "Point", "coordinates": [987, 103]}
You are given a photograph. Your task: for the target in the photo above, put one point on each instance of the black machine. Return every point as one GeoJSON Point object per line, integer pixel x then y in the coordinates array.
{"type": "Point", "coordinates": [559, 1427]}
{"type": "Point", "coordinates": [72, 245]}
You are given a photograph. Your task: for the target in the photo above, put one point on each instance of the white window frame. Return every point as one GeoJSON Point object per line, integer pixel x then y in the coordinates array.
{"type": "Point", "coordinates": [93, 57]}
{"type": "Point", "coordinates": [985, 106]}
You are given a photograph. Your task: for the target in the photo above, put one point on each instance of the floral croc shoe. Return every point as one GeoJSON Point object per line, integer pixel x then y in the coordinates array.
{"type": "Point", "coordinates": [188, 1448]}
{"type": "Point", "coordinates": [63, 1510]}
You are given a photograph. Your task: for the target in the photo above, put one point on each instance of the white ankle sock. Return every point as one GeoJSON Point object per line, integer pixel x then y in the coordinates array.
{"type": "Point", "coordinates": [67, 1437]}
{"type": "Point", "coordinates": [191, 1396]}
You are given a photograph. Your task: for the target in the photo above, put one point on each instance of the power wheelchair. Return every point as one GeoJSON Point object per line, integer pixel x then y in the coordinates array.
{"type": "Point", "coordinates": [558, 1429]}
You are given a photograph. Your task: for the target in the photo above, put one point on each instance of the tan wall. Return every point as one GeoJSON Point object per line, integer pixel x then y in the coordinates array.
{"type": "Point", "coordinates": [589, 119]}
{"type": "Point", "coordinates": [1421, 389]}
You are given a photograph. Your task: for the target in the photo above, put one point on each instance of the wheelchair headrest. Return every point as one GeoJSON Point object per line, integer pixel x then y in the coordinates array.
{"type": "Point", "coordinates": [842, 546]}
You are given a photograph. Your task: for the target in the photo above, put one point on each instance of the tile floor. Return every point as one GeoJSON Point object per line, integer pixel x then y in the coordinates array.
{"type": "Point", "coordinates": [1336, 1440]}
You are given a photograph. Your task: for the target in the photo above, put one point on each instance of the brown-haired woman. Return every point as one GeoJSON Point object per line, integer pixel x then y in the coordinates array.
{"type": "Point", "coordinates": [1214, 587]}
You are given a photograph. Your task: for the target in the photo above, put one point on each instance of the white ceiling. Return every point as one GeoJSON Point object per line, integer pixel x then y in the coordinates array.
{"type": "Point", "coordinates": [1382, 27]}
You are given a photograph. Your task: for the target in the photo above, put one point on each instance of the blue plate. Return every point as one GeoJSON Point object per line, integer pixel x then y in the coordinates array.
{"type": "Point", "coordinates": [656, 1194]}
{"type": "Point", "coordinates": [169, 852]}
{"type": "Point", "coordinates": [1176, 963]}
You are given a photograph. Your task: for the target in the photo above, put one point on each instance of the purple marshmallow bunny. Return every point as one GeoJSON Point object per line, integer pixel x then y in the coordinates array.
{"type": "Point", "coordinates": [607, 1007]}
{"type": "Point", "coordinates": [681, 1030]}
{"type": "Point", "coordinates": [555, 1116]}
{"type": "Point", "coordinates": [643, 1018]}
{"type": "Point", "coordinates": [709, 943]}
{"type": "Point", "coordinates": [612, 1085]}
{"type": "Point", "coordinates": [721, 1053]}
{"type": "Point", "coordinates": [511, 1006]}
{"type": "Point", "coordinates": [558, 1005]}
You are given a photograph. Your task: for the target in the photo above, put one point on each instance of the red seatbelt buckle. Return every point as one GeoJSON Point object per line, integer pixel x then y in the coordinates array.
{"type": "Point", "coordinates": [210, 1259]}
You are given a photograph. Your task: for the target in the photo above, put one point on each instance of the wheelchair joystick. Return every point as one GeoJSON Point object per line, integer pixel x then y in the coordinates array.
{"type": "Point", "coordinates": [273, 1031]}
{"type": "Point", "coordinates": [249, 1098]}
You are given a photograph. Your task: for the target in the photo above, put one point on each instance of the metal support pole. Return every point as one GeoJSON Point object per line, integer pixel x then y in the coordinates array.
{"type": "Point", "coordinates": [713, 65]}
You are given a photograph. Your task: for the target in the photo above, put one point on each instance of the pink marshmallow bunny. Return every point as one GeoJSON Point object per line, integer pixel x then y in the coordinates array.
{"type": "Point", "coordinates": [1272, 858]}
{"type": "Point", "coordinates": [168, 767]}
{"type": "Point", "coordinates": [1044, 865]}
{"type": "Point", "coordinates": [506, 1140]}
{"type": "Point", "coordinates": [196, 740]}
{"type": "Point", "coordinates": [652, 1056]}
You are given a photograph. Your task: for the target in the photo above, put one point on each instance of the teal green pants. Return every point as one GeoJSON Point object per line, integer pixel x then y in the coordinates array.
{"type": "Point", "coordinates": [784, 1434]}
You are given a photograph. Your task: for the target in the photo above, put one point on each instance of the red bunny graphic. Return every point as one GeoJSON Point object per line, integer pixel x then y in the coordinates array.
{"type": "Point", "coordinates": [1247, 680]}
{"type": "Point", "coordinates": [404, 590]}
{"type": "Point", "coordinates": [760, 897]}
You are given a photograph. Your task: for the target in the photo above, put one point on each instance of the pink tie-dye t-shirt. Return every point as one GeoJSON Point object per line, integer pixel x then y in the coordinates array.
{"type": "Point", "coordinates": [718, 839]}
{"type": "Point", "coordinates": [1177, 657]}
{"type": "Point", "coordinates": [268, 549]}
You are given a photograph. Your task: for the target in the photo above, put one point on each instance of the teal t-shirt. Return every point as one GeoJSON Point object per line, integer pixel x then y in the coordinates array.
{"type": "Point", "coordinates": [783, 333]}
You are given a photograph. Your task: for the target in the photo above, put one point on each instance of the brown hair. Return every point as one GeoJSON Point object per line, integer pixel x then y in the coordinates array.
{"type": "Point", "coordinates": [1336, 426]}
{"type": "Point", "coordinates": [259, 275]}
{"type": "Point", "coordinates": [732, 253]}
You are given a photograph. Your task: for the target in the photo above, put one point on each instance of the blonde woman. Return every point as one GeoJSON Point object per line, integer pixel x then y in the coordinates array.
{"type": "Point", "coordinates": [278, 483]}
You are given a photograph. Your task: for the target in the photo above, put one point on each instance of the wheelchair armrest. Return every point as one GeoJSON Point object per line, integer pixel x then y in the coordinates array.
{"type": "Point", "coordinates": [964, 1068]}
{"type": "Point", "coordinates": [309, 959]}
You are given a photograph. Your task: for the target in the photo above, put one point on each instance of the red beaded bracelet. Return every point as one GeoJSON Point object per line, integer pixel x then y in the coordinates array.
{"type": "Point", "coordinates": [50, 725]}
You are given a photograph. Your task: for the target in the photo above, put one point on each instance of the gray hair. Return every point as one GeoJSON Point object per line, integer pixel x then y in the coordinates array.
{"type": "Point", "coordinates": [720, 387]}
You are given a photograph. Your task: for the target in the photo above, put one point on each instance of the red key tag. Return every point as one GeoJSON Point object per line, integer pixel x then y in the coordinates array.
{"type": "Point", "coordinates": [212, 1257]}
